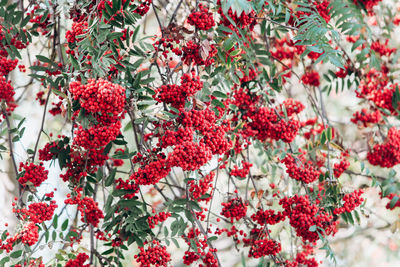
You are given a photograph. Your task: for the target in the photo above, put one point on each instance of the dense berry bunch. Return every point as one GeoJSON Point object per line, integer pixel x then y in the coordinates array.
{"type": "Point", "coordinates": [176, 95]}
{"type": "Point", "coordinates": [29, 235]}
{"type": "Point", "coordinates": [339, 168]}
{"type": "Point", "coordinates": [351, 201]}
{"type": "Point", "coordinates": [291, 107]}
{"type": "Point", "coordinates": [78, 28]}
{"type": "Point", "coordinates": [200, 188]}
{"type": "Point", "coordinates": [154, 255]}
{"type": "Point", "coordinates": [301, 171]}
{"type": "Point", "coordinates": [7, 65]}
{"type": "Point", "coordinates": [7, 93]}
{"type": "Point", "coordinates": [303, 214]}
{"type": "Point", "coordinates": [386, 154]}
{"type": "Point", "coordinates": [311, 78]}
{"type": "Point", "coordinates": [40, 212]}
{"type": "Point", "coordinates": [90, 212]}
{"type": "Point", "coordinates": [190, 156]}
{"type": "Point", "coordinates": [243, 172]}
{"type": "Point", "coordinates": [143, 7]}
{"type": "Point", "coordinates": [159, 217]}
{"type": "Point", "coordinates": [243, 20]}
{"type": "Point", "coordinates": [190, 257]}
{"type": "Point", "coordinates": [79, 261]}
{"type": "Point", "coordinates": [235, 209]}
{"type": "Point", "coordinates": [99, 96]}
{"type": "Point", "coordinates": [365, 118]}
{"type": "Point", "coordinates": [376, 88]}
{"type": "Point", "coordinates": [269, 125]}
{"type": "Point", "coordinates": [151, 173]}
{"type": "Point", "coordinates": [96, 136]}
{"type": "Point", "coordinates": [202, 19]}
{"type": "Point", "coordinates": [35, 174]}
{"type": "Point", "coordinates": [199, 54]}
{"type": "Point", "coordinates": [264, 247]}
{"type": "Point", "coordinates": [267, 217]}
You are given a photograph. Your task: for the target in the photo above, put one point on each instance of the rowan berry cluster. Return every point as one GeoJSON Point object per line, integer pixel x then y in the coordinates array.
{"type": "Point", "coordinates": [176, 95]}
{"type": "Point", "coordinates": [386, 154]}
{"type": "Point", "coordinates": [244, 20]}
{"type": "Point", "coordinates": [268, 125]}
{"type": "Point", "coordinates": [243, 172]}
{"type": "Point", "coordinates": [365, 118]}
{"type": "Point", "coordinates": [99, 96]}
{"type": "Point", "coordinates": [79, 261]}
{"type": "Point", "coordinates": [190, 156]}
{"type": "Point", "coordinates": [376, 88]}
{"type": "Point", "coordinates": [41, 23]}
{"type": "Point", "coordinates": [235, 209]}
{"type": "Point", "coordinates": [32, 173]}
{"type": "Point", "coordinates": [303, 215]}
{"type": "Point", "coordinates": [301, 171]}
{"type": "Point", "coordinates": [40, 212]}
{"type": "Point", "coordinates": [382, 48]}
{"type": "Point", "coordinates": [311, 78]}
{"type": "Point", "coordinates": [264, 247]}
{"type": "Point", "coordinates": [153, 255]}
{"type": "Point", "coordinates": [369, 4]}
{"type": "Point", "coordinates": [202, 19]}
{"type": "Point", "coordinates": [269, 216]}
{"type": "Point", "coordinates": [198, 54]}
{"type": "Point", "coordinates": [156, 219]}
{"type": "Point", "coordinates": [90, 212]}
{"type": "Point", "coordinates": [7, 65]}
{"type": "Point", "coordinates": [151, 172]}
{"type": "Point", "coordinates": [339, 168]}
{"type": "Point", "coordinates": [78, 28]}
{"type": "Point", "coordinates": [351, 201]}
{"type": "Point", "coordinates": [7, 93]}
{"type": "Point", "coordinates": [143, 8]}
{"type": "Point", "coordinates": [29, 234]}
{"type": "Point", "coordinates": [200, 188]}
{"type": "Point", "coordinates": [291, 107]}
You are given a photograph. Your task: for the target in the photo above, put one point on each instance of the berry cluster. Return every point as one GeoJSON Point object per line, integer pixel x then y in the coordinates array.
{"type": "Point", "coordinates": [154, 255]}
{"type": "Point", "coordinates": [200, 188]}
{"type": "Point", "coordinates": [176, 95]}
{"type": "Point", "coordinates": [79, 261]}
{"type": "Point", "coordinates": [386, 154]}
{"type": "Point", "coordinates": [198, 54]}
{"type": "Point", "coordinates": [32, 173]}
{"type": "Point", "coordinates": [303, 214]}
{"type": "Point", "coordinates": [269, 216]}
{"type": "Point", "coordinates": [243, 172]}
{"type": "Point", "coordinates": [40, 212]}
{"type": "Point", "coordinates": [264, 247]}
{"type": "Point", "coordinates": [159, 217]}
{"type": "Point", "coordinates": [311, 78]}
{"type": "Point", "coordinates": [90, 212]}
{"type": "Point", "coordinates": [364, 118]}
{"type": "Point", "coordinates": [301, 171]}
{"type": "Point", "coordinates": [29, 234]}
{"type": "Point", "coordinates": [202, 19]}
{"type": "Point", "coordinates": [339, 168]}
{"type": "Point", "coordinates": [235, 209]}
{"type": "Point", "coordinates": [351, 201]}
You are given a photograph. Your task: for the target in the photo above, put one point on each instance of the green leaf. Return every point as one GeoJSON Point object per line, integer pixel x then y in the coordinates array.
{"type": "Point", "coordinates": [110, 179]}
{"type": "Point", "coordinates": [64, 226]}
{"type": "Point", "coordinates": [16, 254]}
{"type": "Point", "coordinates": [393, 202]}
{"type": "Point", "coordinates": [217, 103]}
{"type": "Point", "coordinates": [312, 228]}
